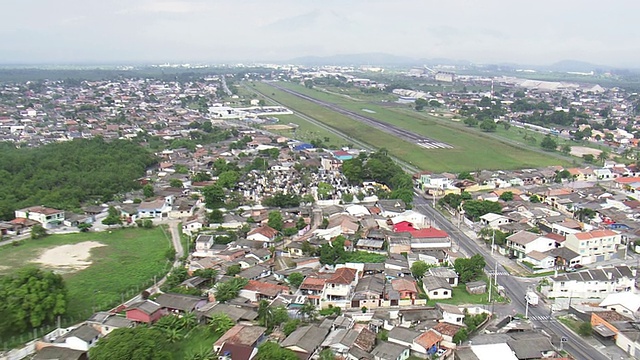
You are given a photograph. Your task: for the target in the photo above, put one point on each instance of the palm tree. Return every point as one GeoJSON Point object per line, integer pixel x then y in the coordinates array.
{"type": "Point", "coordinates": [264, 313]}
{"type": "Point", "coordinates": [603, 156]}
{"type": "Point", "coordinates": [174, 335]}
{"type": "Point", "coordinates": [202, 354]}
{"type": "Point", "coordinates": [168, 322]}
{"type": "Point", "coordinates": [189, 320]}
{"type": "Point", "coordinates": [308, 311]}
{"type": "Point", "coordinates": [220, 323]}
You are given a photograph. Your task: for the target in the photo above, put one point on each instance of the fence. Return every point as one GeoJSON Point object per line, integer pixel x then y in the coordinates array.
{"type": "Point", "coordinates": [17, 354]}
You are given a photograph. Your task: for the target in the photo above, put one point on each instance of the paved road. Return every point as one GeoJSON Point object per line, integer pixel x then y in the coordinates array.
{"type": "Point", "coordinates": [540, 316]}
{"type": "Point", "coordinates": [404, 134]}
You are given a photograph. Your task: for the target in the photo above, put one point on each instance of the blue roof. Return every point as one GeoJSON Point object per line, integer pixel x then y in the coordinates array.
{"type": "Point", "coordinates": [303, 146]}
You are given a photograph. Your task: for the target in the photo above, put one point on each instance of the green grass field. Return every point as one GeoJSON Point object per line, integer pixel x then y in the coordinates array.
{"type": "Point", "coordinates": [126, 265]}
{"type": "Point", "coordinates": [472, 150]}
{"type": "Point", "coordinates": [197, 340]}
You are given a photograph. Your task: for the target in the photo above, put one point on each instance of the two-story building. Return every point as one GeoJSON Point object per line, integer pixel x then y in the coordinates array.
{"type": "Point", "coordinates": [47, 217]}
{"type": "Point", "coordinates": [595, 283]}
{"type": "Point", "coordinates": [595, 245]}
{"type": "Point", "coordinates": [339, 286]}
{"type": "Point", "coordinates": [523, 242]}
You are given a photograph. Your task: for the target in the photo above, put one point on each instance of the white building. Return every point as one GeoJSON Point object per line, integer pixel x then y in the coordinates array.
{"type": "Point", "coordinates": [47, 217]}
{"type": "Point", "coordinates": [625, 303]}
{"type": "Point", "coordinates": [523, 242]}
{"type": "Point", "coordinates": [596, 283]}
{"type": "Point", "coordinates": [594, 246]}
{"type": "Point", "coordinates": [494, 221]}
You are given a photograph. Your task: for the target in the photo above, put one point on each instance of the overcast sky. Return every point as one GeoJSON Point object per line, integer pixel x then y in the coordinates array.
{"type": "Point", "coordinates": [489, 31]}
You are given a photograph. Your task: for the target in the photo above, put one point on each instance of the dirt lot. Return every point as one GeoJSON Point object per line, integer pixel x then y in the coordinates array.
{"type": "Point", "coordinates": [581, 150]}
{"type": "Point", "coordinates": [68, 258]}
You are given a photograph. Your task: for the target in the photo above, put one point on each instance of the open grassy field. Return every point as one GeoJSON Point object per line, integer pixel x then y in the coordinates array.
{"type": "Point", "coordinates": [127, 264]}
{"type": "Point", "coordinates": [472, 150]}
{"type": "Point", "coordinates": [197, 340]}
{"type": "Point", "coordinates": [307, 131]}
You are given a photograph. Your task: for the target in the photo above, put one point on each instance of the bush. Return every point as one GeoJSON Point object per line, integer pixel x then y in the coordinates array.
{"type": "Point", "coordinates": [585, 329]}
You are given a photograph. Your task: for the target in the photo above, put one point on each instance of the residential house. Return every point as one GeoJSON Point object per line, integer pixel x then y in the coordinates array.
{"type": "Point", "coordinates": [445, 273]}
{"type": "Point", "coordinates": [523, 242]}
{"type": "Point", "coordinates": [179, 303]}
{"type": "Point", "coordinates": [305, 340]}
{"type": "Point", "coordinates": [237, 312]}
{"type": "Point", "coordinates": [81, 338]}
{"type": "Point", "coordinates": [255, 272]}
{"type": "Point", "coordinates": [494, 221]}
{"type": "Point", "coordinates": [338, 287]}
{"type": "Point", "coordinates": [625, 303]}
{"type": "Point", "coordinates": [406, 288]}
{"type": "Point", "coordinates": [264, 233]}
{"type": "Point", "coordinates": [427, 344]}
{"type": "Point", "coordinates": [60, 353]}
{"type": "Point", "coordinates": [106, 322]}
{"type": "Point", "coordinates": [182, 209]}
{"type": "Point", "coordinates": [451, 314]}
{"type": "Point", "coordinates": [390, 351]}
{"type": "Point", "coordinates": [341, 340]}
{"type": "Point", "coordinates": [437, 288]}
{"type": "Point", "coordinates": [258, 290]}
{"type": "Point", "coordinates": [375, 246]}
{"type": "Point", "coordinates": [447, 331]}
{"type": "Point", "coordinates": [399, 243]}
{"type": "Point", "coordinates": [607, 324]}
{"type": "Point", "coordinates": [427, 239]}
{"type": "Point", "coordinates": [595, 283]}
{"type": "Point", "coordinates": [47, 217]}
{"type": "Point", "coordinates": [595, 245]}
{"type": "Point", "coordinates": [245, 339]}
{"type": "Point", "coordinates": [391, 207]}
{"type": "Point", "coordinates": [540, 260]}
{"type": "Point", "coordinates": [402, 336]}
{"type": "Point", "coordinates": [369, 292]}
{"type": "Point", "coordinates": [157, 208]}
{"type": "Point", "coordinates": [145, 311]}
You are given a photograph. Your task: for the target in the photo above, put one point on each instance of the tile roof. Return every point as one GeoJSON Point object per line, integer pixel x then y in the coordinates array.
{"type": "Point", "coordinates": [344, 276]}
{"type": "Point", "coordinates": [428, 338]}
{"type": "Point", "coordinates": [429, 233]}
{"type": "Point", "coordinates": [265, 288]}
{"type": "Point", "coordinates": [595, 234]}
{"type": "Point", "coordinates": [265, 230]}
{"type": "Point", "coordinates": [312, 283]}
{"type": "Point", "coordinates": [446, 328]}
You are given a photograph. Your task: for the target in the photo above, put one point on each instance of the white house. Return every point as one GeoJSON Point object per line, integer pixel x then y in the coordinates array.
{"type": "Point", "coordinates": [451, 314]}
{"type": "Point", "coordinates": [81, 338]}
{"type": "Point", "coordinates": [540, 260]}
{"type": "Point", "coordinates": [594, 246]}
{"type": "Point", "coordinates": [47, 217]}
{"type": "Point", "coordinates": [625, 303]}
{"type": "Point", "coordinates": [494, 221]}
{"type": "Point", "coordinates": [157, 208]}
{"type": "Point", "coordinates": [437, 288]}
{"type": "Point", "coordinates": [524, 242]}
{"type": "Point", "coordinates": [596, 283]}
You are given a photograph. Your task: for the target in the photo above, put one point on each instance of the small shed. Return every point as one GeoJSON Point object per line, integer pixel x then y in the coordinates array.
{"type": "Point", "coordinates": [476, 287]}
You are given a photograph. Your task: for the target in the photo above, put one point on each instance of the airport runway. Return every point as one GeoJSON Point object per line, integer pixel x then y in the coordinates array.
{"type": "Point", "coordinates": [406, 135]}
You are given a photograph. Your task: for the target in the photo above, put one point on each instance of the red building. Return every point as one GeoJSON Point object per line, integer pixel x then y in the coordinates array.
{"type": "Point", "coordinates": [146, 311]}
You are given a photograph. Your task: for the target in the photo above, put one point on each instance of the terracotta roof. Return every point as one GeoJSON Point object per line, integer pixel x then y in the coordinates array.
{"type": "Point", "coordinates": [429, 232]}
{"type": "Point", "coordinates": [265, 288]}
{"type": "Point", "coordinates": [42, 210]}
{"type": "Point", "coordinates": [557, 237]}
{"type": "Point", "coordinates": [446, 328]}
{"type": "Point", "coordinates": [611, 316]}
{"type": "Point", "coordinates": [265, 230]}
{"type": "Point", "coordinates": [428, 338]}
{"type": "Point", "coordinates": [627, 180]}
{"type": "Point", "coordinates": [403, 285]}
{"type": "Point", "coordinates": [343, 276]}
{"type": "Point", "coordinates": [595, 234]}
{"type": "Point", "coordinates": [311, 283]}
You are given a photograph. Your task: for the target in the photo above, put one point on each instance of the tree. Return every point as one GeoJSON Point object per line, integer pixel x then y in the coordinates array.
{"type": "Point", "coordinates": [534, 198]}
{"type": "Point", "coordinates": [418, 269]}
{"type": "Point", "coordinates": [469, 268]}
{"type": "Point", "coordinates": [208, 274]}
{"type": "Point", "coordinates": [588, 158]}
{"type": "Point", "coordinates": [228, 179]}
{"type": "Point", "coordinates": [229, 290]}
{"type": "Point", "coordinates": [549, 143]}
{"type": "Point", "coordinates": [265, 314]}
{"type": "Point", "coordinates": [327, 354]}
{"type": "Point", "coordinates": [30, 298]}
{"type": "Point", "coordinates": [506, 196]}
{"type": "Point", "coordinates": [38, 232]}
{"type": "Point", "coordinates": [488, 125]}
{"type": "Point", "coordinates": [585, 329]}
{"type": "Point", "coordinates": [308, 311]}
{"type": "Point", "coordinates": [215, 216]}
{"type": "Point", "coordinates": [275, 220]}
{"type": "Point", "coordinates": [142, 343]}
{"type": "Point", "coordinates": [465, 175]}
{"type": "Point", "coordinates": [220, 323]}
{"type": "Point", "coordinates": [233, 270]}
{"type": "Point", "coordinates": [175, 183]}
{"type": "Point", "coordinates": [324, 189]}
{"type": "Point", "coordinates": [565, 149]}
{"type": "Point", "coordinates": [270, 350]}
{"type": "Point", "coordinates": [461, 336]}
{"type": "Point", "coordinates": [470, 122]}
{"type": "Point", "coordinates": [113, 217]}
{"type": "Point", "coordinates": [420, 104]}
{"type": "Point", "coordinates": [474, 209]}
{"type": "Point", "coordinates": [200, 177]}
{"type": "Point", "coordinates": [290, 326]}
{"type": "Point", "coordinates": [84, 227]}
{"type": "Point", "coordinates": [147, 191]}
{"type": "Point", "coordinates": [295, 279]}
{"type": "Point", "coordinates": [603, 156]}
{"type": "Point", "coordinates": [213, 196]}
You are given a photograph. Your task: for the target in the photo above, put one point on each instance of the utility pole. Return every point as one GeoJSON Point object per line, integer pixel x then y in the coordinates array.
{"type": "Point", "coordinates": [493, 241]}
{"type": "Point", "coordinates": [526, 308]}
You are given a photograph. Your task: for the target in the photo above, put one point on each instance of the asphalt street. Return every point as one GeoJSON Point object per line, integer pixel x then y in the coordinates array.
{"type": "Point", "coordinates": [516, 288]}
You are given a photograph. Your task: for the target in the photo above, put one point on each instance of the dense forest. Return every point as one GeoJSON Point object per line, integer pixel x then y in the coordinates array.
{"type": "Point", "coordinates": [67, 174]}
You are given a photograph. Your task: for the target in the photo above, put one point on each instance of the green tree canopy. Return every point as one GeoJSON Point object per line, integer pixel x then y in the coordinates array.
{"type": "Point", "coordinates": [295, 279]}
{"type": "Point", "coordinates": [30, 298]}
{"type": "Point", "coordinates": [45, 175]}
{"type": "Point", "coordinates": [418, 269]}
{"type": "Point", "coordinates": [548, 143]}
{"type": "Point", "coordinates": [272, 351]}
{"type": "Point", "coordinates": [140, 343]}
{"type": "Point", "coordinates": [228, 179]}
{"type": "Point", "coordinates": [469, 269]}
{"type": "Point", "coordinates": [214, 196]}
{"type": "Point", "coordinates": [275, 220]}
